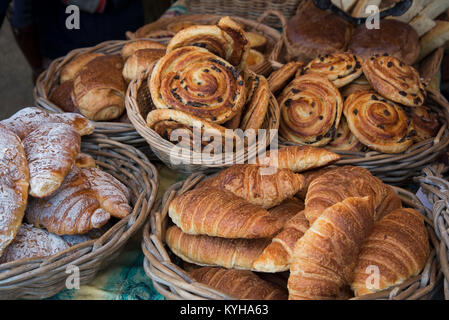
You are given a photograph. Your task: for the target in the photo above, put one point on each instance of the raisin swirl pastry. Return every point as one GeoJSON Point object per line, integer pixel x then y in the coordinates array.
{"type": "Point", "coordinates": [311, 108]}
{"type": "Point", "coordinates": [196, 81]}
{"type": "Point", "coordinates": [425, 122]}
{"type": "Point", "coordinates": [340, 68]}
{"type": "Point", "coordinates": [226, 39]}
{"type": "Point", "coordinates": [394, 80]}
{"type": "Point", "coordinates": [344, 139]}
{"type": "Point", "coordinates": [379, 124]}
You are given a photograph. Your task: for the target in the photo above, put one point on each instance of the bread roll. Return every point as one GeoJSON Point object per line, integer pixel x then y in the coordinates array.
{"type": "Point", "coordinates": [131, 47]}
{"type": "Point", "coordinates": [62, 96]}
{"type": "Point", "coordinates": [139, 61]}
{"type": "Point", "coordinates": [70, 70]}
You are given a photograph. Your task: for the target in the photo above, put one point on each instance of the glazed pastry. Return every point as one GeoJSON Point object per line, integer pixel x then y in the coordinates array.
{"type": "Point", "coordinates": [195, 81]}
{"type": "Point", "coordinates": [256, 41]}
{"type": "Point", "coordinates": [70, 70]}
{"type": "Point", "coordinates": [220, 213]}
{"type": "Point", "coordinates": [257, 107]}
{"type": "Point", "coordinates": [279, 78]}
{"type": "Point", "coordinates": [31, 118]}
{"type": "Point", "coordinates": [377, 123]}
{"type": "Point", "coordinates": [395, 80]}
{"type": "Point", "coordinates": [323, 259]}
{"type": "Point", "coordinates": [359, 84]}
{"type": "Point", "coordinates": [277, 256]}
{"type": "Point", "coordinates": [99, 89]}
{"type": "Point", "coordinates": [425, 122]}
{"type": "Point", "coordinates": [312, 31]}
{"type": "Point", "coordinates": [130, 48]}
{"type": "Point", "coordinates": [398, 246]}
{"type": "Point", "coordinates": [254, 60]}
{"type": "Point", "coordinates": [344, 139]}
{"type": "Point", "coordinates": [214, 251]}
{"type": "Point", "coordinates": [340, 183]}
{"type": "Point", "coordinates": [394, 37]}
{"type": "Point", "coordinates": [113, 196]}
{"type": "Point", "coordinates": [179, 25]}
{"type": "Point", "coordinates": [311, 108]}
{"type": "Point", "coordinates": [239, 284]}
{"type": "Point", "coordinates": [51, 151]}
{"type": "Point", "coordinates": [139, 61]}
{"type": "Point", "coordinates": [340, 68]}
{"type": "Point", "coordinates": [31, 242]}
{"type": "Point", "coordinates": [14, 182]}
{"type": "Point", "coordinates": [62, 96]}
{"type": "Point", "coordinates": [299, 158]}
{"type": "Point", "coordinates": [226, 39]}
{"type": "Point", "coordinates": [258, 185]}
{"type": "Point", "coordinates": [84, 160]}
{"type": "Point", "coordinates": [72, 209]}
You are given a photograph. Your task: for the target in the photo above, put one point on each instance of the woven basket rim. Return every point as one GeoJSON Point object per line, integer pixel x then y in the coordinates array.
{"type": "Point", "coordinates": [194, 161]}
{"type": "Point", "coordinates": [173, 282]}
{"type": "Point", "coordinates": [29, 278]}
{"type": "Point", "coordinates": [435, 186]}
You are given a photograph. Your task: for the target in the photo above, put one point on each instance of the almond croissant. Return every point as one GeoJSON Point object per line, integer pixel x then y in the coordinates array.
{"type": "Point", "coordinates": [220, 213]}
{"type": "Point", "coordinates": [266, 187]}
{"type": "Point", "coordinates": [325, 256]}
{"type": "Point", "coordinates": [397, 249]}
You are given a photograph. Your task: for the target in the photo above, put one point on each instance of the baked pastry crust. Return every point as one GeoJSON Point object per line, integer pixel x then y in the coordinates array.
{"type": "Point", "coordinates": [139, 61]}
{"type": "Point", "coordinates": [425, 122]}
{"type": "Point", "coordinates": [70, 70]}
{"type": "Point", "coordinates": [377, 123]}
{"type": "Point", "coordinates": [130, 48]}
{"type": "Point", "coordinates": [344, 139]}
{"type": "Point", "coordinates": [395, 80]}
{"type": "Point", "coordinates": [279, 78]}
{"type": "Point", "coordinates": [256, 108]}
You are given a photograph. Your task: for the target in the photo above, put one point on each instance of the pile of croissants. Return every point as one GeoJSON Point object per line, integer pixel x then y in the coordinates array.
{"type": "Point", "coordinates": [321, 228]}
{"type": "Point", "coordinates": [344, 103]}
{"type": "Point", "coordinates": [52, 196]}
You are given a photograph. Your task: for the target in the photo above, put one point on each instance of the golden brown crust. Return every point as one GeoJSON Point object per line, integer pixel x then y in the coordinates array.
{"type": "Point", "coordinates": [257, 106]}
{"type": "Point", "coordinates": [378, 123]}
{"type": "Point", "coordinates": [62, 96]}
{"type": "Point", "coordinates": [398, 247]}
{"type": "Point", "coordinates": [139, 61]}
{"type": "Point", "coordinates": [339, 183]}
{"type": "Point", "coordinates": [254, 60]}
{"type": "Point", "coordinates": [266, 187]}
{"type": "Point", "coordinates": [70, 70]}
{"type": "Point", "coordinates": [130, 48]}
{"type": "Point", "coordinates": [344, 139]}
{"type": "Point", "coordinates": [256, 41]}
{"type": "Point", "coordinates": [299, 158]}
{"type": "Point", "coordinates": [83, 160]}
{"type": "Point", "coordinates": [72, 209]}
{"type": "Point", "coordinates": [393, 37]}
{"type": "Point", "coordinates": [99, 89]}
{"type": "Point", "coordinates": [242, 285]}
{"type": "Point", "coordinates": [324, 257]}
{"type": "Point", "coordinates": [395, 80]}
{"type": "Point", "coordinates": [279, 78]}
{"type": "Point", "coordinates": [311, 108]}
{"type": "Point", "coordinates": [214, 251]}
{"type": "Point", "coordinates": [196, 81]}
{"type": "Point", "coordinates": [309, 176]}
{"type": "Point", "coordinates": [14, 181]}
{"type": "Point", "coordinates": [340, 68]}
{"type": "Point", "coordinates": [51, 150]}
{"type": "Point", "coordinates": [220, 213]}
{"type": "Point", "coordinates": [425, 122]}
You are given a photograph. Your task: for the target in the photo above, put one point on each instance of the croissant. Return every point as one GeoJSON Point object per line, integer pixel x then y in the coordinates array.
{"type": "Point", "coordinates": [324, 258]}
{"type": "Point", "coordinates": [299, 158]}
{"type": "Point", "coordinates": [84, 160]}
{"type": "Point", "coordinates": [99, 89]}
{"type": "Point", "coordinates": [309, 176]}
{"type": "Point", "coordinates": [28, 119]}
{"type": "Point", "coordinates": [340, 183]}
{"type": "Point", "coordinates": [51, 151]}
{"type": "Point", "coordinates": [31, 242]}
{"type": "Point", "coordinates": [196, 81]}
{"type": "Point", "coordinates": [214, 251]}
{"type": "Point", "coordinates": [257, 185]}
{"type": "Point", "coordinates": [397, 248]}
{"type": "Point", "coordinates": [14, 183]}
{"type": "Point", "coordinates": [277, 256]}
{"type": "Point", "coordinates": [227, 40]}
{"type": "Point", "coordinates": [72, 209]}
{"type": "Point", "coordinates": [240, 284]}
{"type": "Point", "coordinates": [112, 194]}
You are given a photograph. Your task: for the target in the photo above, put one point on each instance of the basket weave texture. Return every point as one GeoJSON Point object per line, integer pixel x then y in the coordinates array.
{"type": "Point", "coordinates": [173, 282]}
{"type": "Point", "coordinates": [38, 278]}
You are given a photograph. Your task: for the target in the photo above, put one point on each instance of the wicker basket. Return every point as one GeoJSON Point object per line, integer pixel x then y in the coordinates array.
{"type": "Point", "coordinates": [138, 104]}
{"type": "Point", "coordinates": [173, 282]}
{"type": "Point", "coordinates": [244, 8]}
{"type": "Point", "coordinates": [49, 79]}
{"type": "Point", "coordinates": [43, 277]}
{"type": "Point", "coordinates": [436, 187]}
